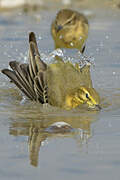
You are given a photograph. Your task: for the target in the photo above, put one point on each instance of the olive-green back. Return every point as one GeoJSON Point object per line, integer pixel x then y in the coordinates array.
{"type": "Point", "coordinates": [63, 78]}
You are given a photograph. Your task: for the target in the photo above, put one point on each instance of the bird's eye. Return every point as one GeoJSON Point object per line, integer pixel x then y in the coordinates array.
{"type": "Point", "coordinates": [87, 96]}
{"type": "Point", "coordinates": [69, 22]}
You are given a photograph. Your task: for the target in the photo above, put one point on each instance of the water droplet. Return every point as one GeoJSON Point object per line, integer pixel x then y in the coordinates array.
{"type": "Point", "coordinates": [97, 49]}
{"type": "Point", "coordinates": [71, 44]}
{"type": "Point", "coordinates": [39, 37]}
{"type": "Point", "coordinates": [106, 37]}
{"type": "Point", "coordinates": [101, 44]}
{"type": "Point", "coordinates": [60, 37]}
{"type": "Point", "coordinates": [22, 102]}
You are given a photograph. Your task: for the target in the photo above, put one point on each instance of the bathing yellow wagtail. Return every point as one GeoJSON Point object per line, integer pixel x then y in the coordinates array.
{"type": "Point", "coordinates": [60, 84]}
{"type": "Point", "coordinates": [70, 30]}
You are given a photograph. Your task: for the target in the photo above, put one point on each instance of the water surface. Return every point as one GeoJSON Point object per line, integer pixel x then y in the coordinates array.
{"type": "Point", "coordinates": [90, 149]}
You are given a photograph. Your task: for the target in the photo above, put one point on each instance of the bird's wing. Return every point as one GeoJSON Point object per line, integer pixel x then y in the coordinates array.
{"type": "Point", "coordinates": [30, 78]}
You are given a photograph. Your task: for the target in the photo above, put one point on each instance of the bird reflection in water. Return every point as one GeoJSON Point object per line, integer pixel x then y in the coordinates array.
{"type": "Point", "coordinates": [41, 131]}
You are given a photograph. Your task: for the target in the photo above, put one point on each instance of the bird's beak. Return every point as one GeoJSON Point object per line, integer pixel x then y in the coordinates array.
{"type": "Point", "coordinates": [83, 49]}
{"type": "Point", "coordinates": [58, 28]}
{"type": "Point", "coordinates": [98, 107]}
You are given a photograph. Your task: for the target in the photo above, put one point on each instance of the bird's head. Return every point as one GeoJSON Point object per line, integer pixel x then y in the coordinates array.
{"type": "Point", "coordinates": [69, 29]}
{"type": "Point", "coordinates": [65, 18]}
{"type": "Point", "coordinates": [83, 95]}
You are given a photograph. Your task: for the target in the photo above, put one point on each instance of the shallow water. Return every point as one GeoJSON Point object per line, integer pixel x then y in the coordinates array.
{"type": "Point", "coordinates": [89, 148]}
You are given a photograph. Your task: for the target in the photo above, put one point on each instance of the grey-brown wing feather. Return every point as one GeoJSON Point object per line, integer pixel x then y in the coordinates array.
{"type": "Point", "coordinates": [30, 78]}
{"type": "Point", "coordinates": [12, 75]}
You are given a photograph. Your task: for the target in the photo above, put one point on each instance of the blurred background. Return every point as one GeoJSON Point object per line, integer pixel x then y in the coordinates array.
{"type": "Point", "coordinates": [8, 5]}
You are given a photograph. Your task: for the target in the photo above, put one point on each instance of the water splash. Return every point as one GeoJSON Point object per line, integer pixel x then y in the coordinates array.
{"type": "Point", "coordinates": [24, 99]}
{"type": "Point", "coordinates": [68, 55]}
{"type": "Point", "coordinates": [49, 58]}
{"type": "Point", "coordinates": [57, 52]}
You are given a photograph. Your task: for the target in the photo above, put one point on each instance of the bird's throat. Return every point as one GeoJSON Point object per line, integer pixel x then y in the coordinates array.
{"type": "Point", "coordinates": [72, 102]}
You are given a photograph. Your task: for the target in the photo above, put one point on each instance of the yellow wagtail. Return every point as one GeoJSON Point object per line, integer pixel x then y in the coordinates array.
{"type": "Point", "coordinates": [70, 30]}
{"type": "Point", "coordinates": [60, 84]}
